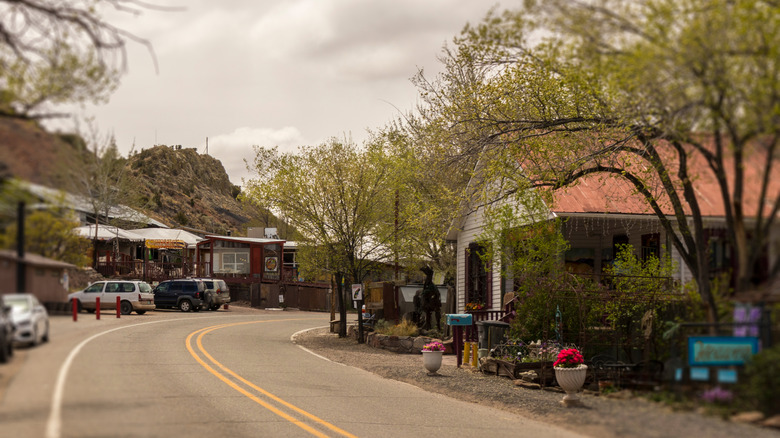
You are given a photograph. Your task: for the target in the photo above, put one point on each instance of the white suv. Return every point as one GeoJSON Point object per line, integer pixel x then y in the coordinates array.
{"type": "Point", "coordinates": [133, 296]}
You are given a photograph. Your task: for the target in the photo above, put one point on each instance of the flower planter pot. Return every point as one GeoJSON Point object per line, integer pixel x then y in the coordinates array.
{"type": "Point", "coordinates": [571, 380]}
{"type": "Point", "coordinates": [432, 361]}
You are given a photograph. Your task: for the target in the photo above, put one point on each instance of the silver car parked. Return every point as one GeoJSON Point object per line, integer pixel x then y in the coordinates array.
{"type": "Point", "coordinates": [30, 319]}
{"type": "Point", "coordinates": [217, 293]}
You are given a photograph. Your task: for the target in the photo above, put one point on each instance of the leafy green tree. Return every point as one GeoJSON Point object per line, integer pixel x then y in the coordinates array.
{"type": "Point", "coordinates": [336, 195]}
{"type": "Point", "coordinates": [50, 234]}
{"type": "Point", "coordinates": [54, 52]}
{"type": "Point", "coordinates": [641, 292]}
{"type": "Point", "coordinates": [105, 180]}
{"type": "Point", "coordinates": [427, 194]}
{"type": "Point", "coordinates": [644, 92]}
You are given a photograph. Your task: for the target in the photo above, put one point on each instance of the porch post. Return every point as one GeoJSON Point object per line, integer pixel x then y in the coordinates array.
{"type": "Point", "coordinates": [146, 256]}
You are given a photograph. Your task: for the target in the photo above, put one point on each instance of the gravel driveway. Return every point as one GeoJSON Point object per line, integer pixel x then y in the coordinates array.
{"type": "Point", "coordinates": [600, 417]}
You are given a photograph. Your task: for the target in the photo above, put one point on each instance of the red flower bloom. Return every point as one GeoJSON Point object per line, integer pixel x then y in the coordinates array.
{"type": "Point", "coordinates": [569, 358]}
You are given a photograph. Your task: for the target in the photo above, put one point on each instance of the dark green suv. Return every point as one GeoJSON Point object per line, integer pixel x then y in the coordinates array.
{"type": "Point", "coordinates": [184, 294]}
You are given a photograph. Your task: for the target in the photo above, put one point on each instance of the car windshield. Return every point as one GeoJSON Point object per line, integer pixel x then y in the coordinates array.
{"type": "Point", "coordinates": [18, 303]}
{"type": "Point", "coordinates": [144, 287]}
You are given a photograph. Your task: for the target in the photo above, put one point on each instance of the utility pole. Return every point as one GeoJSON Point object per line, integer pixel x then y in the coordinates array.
{"type": "Point", "coordinates": [21, 267]}
{"type": "Point", "coordinates": [395, 235]}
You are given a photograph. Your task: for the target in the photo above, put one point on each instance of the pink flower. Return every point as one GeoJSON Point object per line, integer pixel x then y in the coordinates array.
{"type": "Point", "coordinates": [433, 346]}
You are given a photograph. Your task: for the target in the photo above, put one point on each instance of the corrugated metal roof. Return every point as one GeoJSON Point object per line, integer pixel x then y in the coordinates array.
{"type": "Point", "coordinates": [614, 194]}
{"type": "Point", "coordinates": [35, 260]}
{"type": "Point", "coordinates": [106, 232]}
{"type": "Point", "coordinates": [245, 239]}
{"type": "Point", "coordinates": [81, 203]}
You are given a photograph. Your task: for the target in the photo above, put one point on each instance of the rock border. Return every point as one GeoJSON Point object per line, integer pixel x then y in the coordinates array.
{"type": "Point", "coordinates": [399, 344]}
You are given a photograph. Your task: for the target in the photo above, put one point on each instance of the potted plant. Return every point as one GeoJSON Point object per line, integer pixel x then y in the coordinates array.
{"type": "Point", "coordinates": [432, 353]}
{"type": "Point", "coordinates": [570, 372]}
{"type": "Point", "coordinates": [470, 307]}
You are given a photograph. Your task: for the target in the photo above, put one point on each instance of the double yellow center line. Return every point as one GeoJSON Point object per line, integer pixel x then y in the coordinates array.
{"type": "Point", "coordinates": [246, 387]}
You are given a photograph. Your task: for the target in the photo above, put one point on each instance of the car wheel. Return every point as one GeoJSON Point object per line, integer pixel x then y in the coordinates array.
{"type": "Point", "coordinates": [125, 307]}
{"type": "Point", "coordinates": [45, 337]}
{"type": "Point", "coordinates": [208, 305]}
{"type": "Point", "coordinates": [197, 308]}
{"type": "Point", "coordinates": [91, 310]}
{"type": "Point", "coordinates": [185, 305]}
{"type": "Point", "coordinates": [140, 312]}
{"type": "Point", "coordinates": [34, 341]}
{"type": "Point", "coordinates": [215, 307]}
{"type": "Point", "coordinates": [78, 306]}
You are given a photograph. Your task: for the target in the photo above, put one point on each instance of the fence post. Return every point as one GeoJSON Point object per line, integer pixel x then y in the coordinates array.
{"type": "Point", "coordinates": [117, 306]}
{"type": "Point", "coordinates": [97, 307]}
{"type": "Point", "coordinates": [75, 310]}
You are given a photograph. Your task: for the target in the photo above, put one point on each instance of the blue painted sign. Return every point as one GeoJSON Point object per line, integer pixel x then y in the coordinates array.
{"type": "Point", "coordinates": [701, 374]}
{"type": "Point", "coordinates": [720, 350]}
{"type": "Point", "coordinates": [727, 376]}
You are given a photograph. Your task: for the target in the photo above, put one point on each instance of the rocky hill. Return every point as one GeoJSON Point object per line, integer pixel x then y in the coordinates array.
{"type": "Point", "coordinates": [189, 189]}
{"type": "Point", "coordinates": [175, 185]}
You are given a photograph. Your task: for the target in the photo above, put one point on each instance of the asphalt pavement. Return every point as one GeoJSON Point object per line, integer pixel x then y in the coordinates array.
{"type": "Point", "coordinates": [227, 373]}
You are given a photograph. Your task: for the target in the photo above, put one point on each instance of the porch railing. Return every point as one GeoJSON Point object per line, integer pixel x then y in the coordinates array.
{"type": "Point", "coordinates": [507, 314]}
{"type": "Point", "coordinates": [156, 271]}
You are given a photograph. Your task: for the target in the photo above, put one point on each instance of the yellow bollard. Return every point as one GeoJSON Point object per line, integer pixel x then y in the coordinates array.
{"type": "Point", "coordinates": [466, 352]}
{"type": "Point", "coordinates": [474, 355]}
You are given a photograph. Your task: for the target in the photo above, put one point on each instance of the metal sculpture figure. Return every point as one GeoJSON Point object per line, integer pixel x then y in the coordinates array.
{"type": "Point", "coordinates": [430, 299]}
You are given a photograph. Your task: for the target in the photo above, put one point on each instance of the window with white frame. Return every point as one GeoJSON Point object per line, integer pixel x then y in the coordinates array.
{"type": "Point", "coordinates": [235, 262]}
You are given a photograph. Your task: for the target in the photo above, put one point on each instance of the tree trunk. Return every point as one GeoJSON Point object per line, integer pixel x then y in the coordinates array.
{"type": "Point", "coordinates": [342, 307]}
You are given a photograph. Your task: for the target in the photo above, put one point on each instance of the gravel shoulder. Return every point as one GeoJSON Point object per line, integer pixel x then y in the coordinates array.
{"type": "Point", "coordinates": [627, 416]}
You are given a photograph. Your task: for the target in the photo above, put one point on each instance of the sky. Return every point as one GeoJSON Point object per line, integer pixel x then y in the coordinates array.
{"type": "Point", "coordinates": [237, 73]}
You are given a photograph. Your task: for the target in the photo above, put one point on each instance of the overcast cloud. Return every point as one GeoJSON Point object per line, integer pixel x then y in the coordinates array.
{"type": "Point", "coordinates": [283, 73]}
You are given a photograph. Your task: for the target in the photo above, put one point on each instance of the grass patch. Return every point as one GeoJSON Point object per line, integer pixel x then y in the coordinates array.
{"type": "Point", "coordinates": [404, 328]}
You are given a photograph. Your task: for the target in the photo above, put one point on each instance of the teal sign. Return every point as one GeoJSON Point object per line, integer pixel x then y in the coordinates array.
{"type": "Point", "coordinates": [720, 350]}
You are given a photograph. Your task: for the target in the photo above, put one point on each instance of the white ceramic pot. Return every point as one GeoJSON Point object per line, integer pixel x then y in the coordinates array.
{"type": "Point", "coordinates": [571, 380]}
{"type": "Point", "coordinates": [432, 361]}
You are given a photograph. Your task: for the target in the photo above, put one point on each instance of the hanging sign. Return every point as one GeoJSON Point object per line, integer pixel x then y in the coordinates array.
{"type": "Point", "coordinates": [271, 264]}
{"type": "Point", "coordinates": [720, 350]}
{"type": "Point", "coordinates": [165, 244]}
{"type": "Point", "coordinates": [357, 292]}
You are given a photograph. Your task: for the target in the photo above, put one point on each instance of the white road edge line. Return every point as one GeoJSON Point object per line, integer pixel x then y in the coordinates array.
{"type": "Point", "coordinates": [54, 423]}
{"type": "Point", "coordinates": [294, 335]}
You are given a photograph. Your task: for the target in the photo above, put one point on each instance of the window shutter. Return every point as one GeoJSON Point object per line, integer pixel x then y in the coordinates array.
{"type": "Point", "coordinates": [489, 285]}
{"type": "Point", "coordinates": [466, 277]}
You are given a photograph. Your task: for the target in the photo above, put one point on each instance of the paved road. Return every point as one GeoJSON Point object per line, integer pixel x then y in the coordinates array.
{"type": "Point", "coordinates": [231, 373]}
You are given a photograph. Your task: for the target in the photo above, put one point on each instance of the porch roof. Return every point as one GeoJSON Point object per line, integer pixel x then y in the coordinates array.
{"type": "Point", "coordinates": [169, 234]}
{"type": "Point", "coordinates": [106, 232]}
